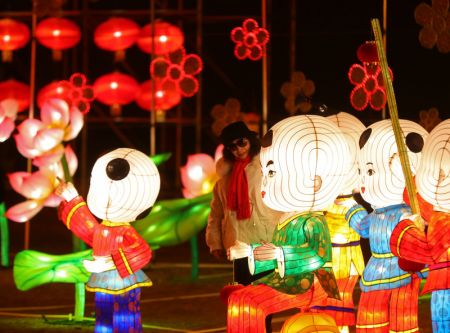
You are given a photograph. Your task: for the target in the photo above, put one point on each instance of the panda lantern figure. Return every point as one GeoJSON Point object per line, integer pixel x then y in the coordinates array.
{"type": "Point", "coordinates": [124, 183]}
{"type": "Point", "coordinates": [303, 165]}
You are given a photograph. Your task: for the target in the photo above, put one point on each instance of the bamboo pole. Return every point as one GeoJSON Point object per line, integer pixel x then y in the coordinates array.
{"type": "Point", "coordinates": [392, 104]}
{"type": "Point", "coordinates": [264, 72]}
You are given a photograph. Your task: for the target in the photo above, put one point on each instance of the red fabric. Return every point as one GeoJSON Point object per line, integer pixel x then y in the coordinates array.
{"type": "Point", "coordinates": [426, 209]}
{"type": "Point", "coordinates": [237, 196]}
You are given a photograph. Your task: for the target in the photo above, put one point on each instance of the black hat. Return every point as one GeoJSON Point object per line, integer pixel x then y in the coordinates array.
{"type": "Point", "coordinates": [235, 131]}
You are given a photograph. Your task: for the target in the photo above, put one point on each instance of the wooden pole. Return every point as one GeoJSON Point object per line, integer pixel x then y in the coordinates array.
{"type": "Point", "coordinates": [392, 104]}
{"type": "Point", "coordinates": [264, 72]}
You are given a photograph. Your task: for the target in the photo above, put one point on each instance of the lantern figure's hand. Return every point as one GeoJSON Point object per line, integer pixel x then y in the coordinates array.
{"type": "Point", "coordinates": [418, 221]}
{"type": "Point", "coordinates": [239, 250]}
{"type": "Point", "coordinates": [66, 191]}
{"type": "Point", "coordinates": [99, 264]}
{"type": "Point", "coordinates": [267, 251]}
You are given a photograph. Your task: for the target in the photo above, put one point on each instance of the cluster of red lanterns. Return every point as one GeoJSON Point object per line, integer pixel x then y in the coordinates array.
{"type": "Point", "coordinates": [114, 89]}
{"type": "Point", "coordinates": [367, 78]}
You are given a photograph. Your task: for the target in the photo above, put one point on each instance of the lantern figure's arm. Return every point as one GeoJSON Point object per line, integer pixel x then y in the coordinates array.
{"type": "Point", "coordinates": [77, 218]}
{"type": "Point", "coordinates": [305, 257]}
{"type": "Point", "coordinates": [356, 216]}
{"type": "Point", "coordinates": [401, 147]}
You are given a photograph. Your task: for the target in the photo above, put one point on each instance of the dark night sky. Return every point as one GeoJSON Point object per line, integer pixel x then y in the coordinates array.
{"type": "Point", "coordinates": [327, 36]}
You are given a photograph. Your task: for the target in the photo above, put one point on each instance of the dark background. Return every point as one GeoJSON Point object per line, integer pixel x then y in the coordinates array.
{"type": "Point", "coordinates": [328, 34]}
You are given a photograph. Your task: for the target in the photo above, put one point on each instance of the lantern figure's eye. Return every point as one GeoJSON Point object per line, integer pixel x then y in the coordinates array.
{"type": "Point", "coordinates": [370, 172]}
{"type": "Point", "coordinates": [117, 169]}
{"type": "Point", "coordinates": [272, 173]}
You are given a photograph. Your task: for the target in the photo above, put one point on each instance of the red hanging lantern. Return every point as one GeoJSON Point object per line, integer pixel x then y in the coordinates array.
{"type": "Point", "coordinates": [13, 35]}
{"type": "Point", "coordinates": [58, 34]}
{"type": "Point", "coordinates": [166, 37]}
{"type": "Point", "coordinates": [59, 89]}
{"type": "Point", "coordinates": [16, 90]}
{"type": "Point", "coordinates": [165, 92]}
{"type": "Point", "coordinates": [116, 34]}
{"type": "Point", "coordinates": [115, 89]}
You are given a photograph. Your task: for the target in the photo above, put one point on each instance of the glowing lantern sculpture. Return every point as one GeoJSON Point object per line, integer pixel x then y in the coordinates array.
{"type": "Point", "coordinates": [303, 162]}
{"type": "Point", "coordinates": [116, 89]}
{"type": "Point", "coordinates": [310, 322]}
{"type": "Point", "coordinates": [389, 294]}
{"type": "Point", "coordinates": [58, 89]}
{"type": "Point", "coordinates": [13, 35]}
{"type": "Point", "coordinates": [12, 89]}
{"type": "Point", "coordinates": [432, 247]}
{"type": "Point", "coordinates": [58, 34]}
{"type": "Point", "coordinates": [198, 175]}
{"type": "Point", "coordinates": [8, 114]}
{"type": "Point", "coordinates": [435, 24]}
{"type": "Point", "coordinates": [124, 183]}
{"type": "Point", "coordinates": [367, 79]}
{"type": "Point", "coordinates": [250, 40]}
{"type": "Point", "coordinates": [165, 93]}
{"type": "Point", "coordinates": [348, 260]}
{"type": "Point", "coordinates": [179, 68]}
{"type": "Point", "coordinates": [116, 34]}
{"type": "Point", "coordinates": [160, 38]}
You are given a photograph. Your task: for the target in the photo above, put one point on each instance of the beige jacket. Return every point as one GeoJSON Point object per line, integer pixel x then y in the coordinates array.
{"type": "Point", "coordinates": [223, 228]}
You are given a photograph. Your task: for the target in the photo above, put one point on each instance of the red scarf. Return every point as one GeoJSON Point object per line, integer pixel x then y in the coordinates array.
{"type": "Point", "coordinates": [237, 196]}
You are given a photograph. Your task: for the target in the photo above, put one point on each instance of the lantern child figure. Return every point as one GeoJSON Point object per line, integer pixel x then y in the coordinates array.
{"type": "Point", "coordinates": [304, 164]}
{"type": "Point", "coordinates": [431, 247]}
{"type": "Point", "coordinates": [124, 183]}
{"type": "Point", "coordinates": [347, 257]}
{"type": "Point", "coordinates": [389, 294]}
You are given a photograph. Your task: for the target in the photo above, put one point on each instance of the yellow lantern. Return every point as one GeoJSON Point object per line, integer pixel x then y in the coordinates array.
{"type": "Point", "coordinates": [310, 322]}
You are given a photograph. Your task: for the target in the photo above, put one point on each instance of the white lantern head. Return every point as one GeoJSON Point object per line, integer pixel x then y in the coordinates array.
{"type": "Point", "coordinates": [352, 128]}
{"type": "Point", "coordinates": [304, 162]}
{"type": "Point", "coordinates": [382, 181]}
{"type": "Point", "coordinates": [433, 176]}
{"type": "Point", "coordinates": [124, 183]}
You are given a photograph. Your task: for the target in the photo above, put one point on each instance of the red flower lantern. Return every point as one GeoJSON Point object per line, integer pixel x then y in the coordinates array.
{"type": "Point", "coordinates": [166, 95]}
{"type": "Point", "coordinates": [116, 89]}
{"type": "Point", "coordinates": [166, 37]}
{"type": "Point", "coordinates": [368, 79]}
{"type": "Point", "coordinates": [250, 40]}
{"type": "Point", "coordinates": [58, 34]}
{"type": "Point", "coordinates": [180, 69]}
{"type": "Point", "coordinates": [16, 90]}
{"type": "Point", "coordinates": [116, 34]}
{"type": "Point", "coordinates": [13, 35]}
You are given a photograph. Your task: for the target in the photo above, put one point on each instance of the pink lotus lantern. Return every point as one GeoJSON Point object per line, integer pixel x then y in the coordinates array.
{"type": "Point", "coordinates": [198, 175]}
{"type": "Point", "coordinates": [8, 113]}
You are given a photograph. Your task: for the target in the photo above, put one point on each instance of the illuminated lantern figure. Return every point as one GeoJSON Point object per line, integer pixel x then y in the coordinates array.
{"type": "Point", "coordinates": [310, 322]}
{"type": "Point", "coordinates": [432, 247]}
{"type": "Point", "coordinates": [348, 260]}
{"type": "Point", "coordinates": [116, 89]}
{"type": "Point", "coordinates": [124, 184]}
{"type": "Point", "coordinates": [13, 35]}
{"type": "Point", "coordinates": [165, 38]}
{"type": "Point", "coordinates": [304, 163]}
{"type": "Point", "coordinates": [389, 295]}
{"type": "Point", "coordinates": [12, 89]}
{"type": "Point", "coordinates": [116, 34]}
{"type": "Point", "coordinates": [58, 34]}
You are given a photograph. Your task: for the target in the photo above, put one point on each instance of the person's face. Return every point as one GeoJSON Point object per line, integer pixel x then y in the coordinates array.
{"type": "Point", "coordinates": [240, 148]}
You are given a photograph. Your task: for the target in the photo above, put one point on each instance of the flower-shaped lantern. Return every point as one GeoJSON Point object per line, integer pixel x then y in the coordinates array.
{"type": "Point", "coordinates": [368, 79]}
{"type": "Point", "coordinates": [58, 34]}
{"type": "Point", "coordinates": [299, 86]}
{"type": "Point", "coordinates": [13, 35]}
{"type": "Point", "coordinates": [116, 34]}
{"type": "Point", "coordinates": [12, 89]}
{"type": "Point", "coordinates": [116, 89]}
{"type": "Point", "coordinates": [435, 22]}
{"type": "Point", "coordinates": [429, 119]}
{"type": "Point", "coordinates": [179, 68]}
{"type": "Point", "coordinates": [250, 40]}
{"type": "Point", "coordinates": [160, 38]}
{"type": "Point", "coordinates": [158, 95]}
{"type": "Point", "coordinates": [8, 113]}
{"type": "Point", "coordinates": [198, 175]}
